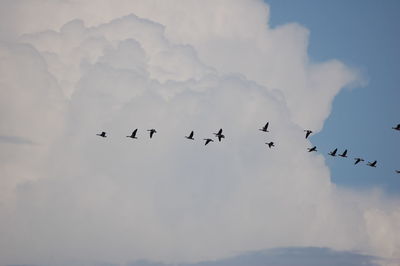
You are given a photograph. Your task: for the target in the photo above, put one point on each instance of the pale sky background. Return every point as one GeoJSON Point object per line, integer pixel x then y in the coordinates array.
{"type": "Point", "coordinates": [71, 69]}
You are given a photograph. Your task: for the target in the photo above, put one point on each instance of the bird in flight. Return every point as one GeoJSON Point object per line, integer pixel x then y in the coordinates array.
{"type": "Point", "coordinates": [373, 164]}
{"type": "Point", "coordinates": [308, 132]}
{"type": "Point", "coordinates": [333, 153]}
{"type": "Point", "coordinates": [133, 135]}
{"type": "Point", "coordinates": [358, 160]}
{"type": "Point", "coordinates": [208, 141]}
{"type": "Point", "coordinates": [344, 154]}
{"type": "Point", "coordinates": [152, 131]}
{"type": "Point", "coordinates": [265, 128]}
{"type": "Point", "coordinates": [219, 135]}
{"type": "Point", "coordinates": [312, 149]}
{"type": "Point", "coordinates": [270, 144]}
{"type": "Point", "coordinates": [190, 136]}
{"type": "Point", "coordinates": [397, 128]}
{"type": "Point", "coordinates": [103, 134]}
{"type": "Point", "coordinates": [397, 171]}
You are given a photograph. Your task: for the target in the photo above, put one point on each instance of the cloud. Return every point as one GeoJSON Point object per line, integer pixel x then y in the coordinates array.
{"type": "Point", "coordinates": [144, 65]}
{"type": "Point", "coordinates": [286, 256]}
{"type": "Point", "coordinates": [15, 140]}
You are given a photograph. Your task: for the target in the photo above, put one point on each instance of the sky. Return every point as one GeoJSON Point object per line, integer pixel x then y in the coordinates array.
{"type": "Point", "coordinates": [366, 36]}
{"type": "Point", "coordinates": [70, 70]}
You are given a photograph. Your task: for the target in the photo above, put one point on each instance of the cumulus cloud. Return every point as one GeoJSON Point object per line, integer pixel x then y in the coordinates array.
{"type": "Point", "coordinates": [177, 67]}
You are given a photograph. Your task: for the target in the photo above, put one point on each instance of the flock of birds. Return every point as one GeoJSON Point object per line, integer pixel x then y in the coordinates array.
{"type": "Point", "coordinates": [271, 144]}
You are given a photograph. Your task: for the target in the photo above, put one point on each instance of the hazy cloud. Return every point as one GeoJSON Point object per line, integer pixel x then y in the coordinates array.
{"type": "Point", "coordinates": [15, 140]}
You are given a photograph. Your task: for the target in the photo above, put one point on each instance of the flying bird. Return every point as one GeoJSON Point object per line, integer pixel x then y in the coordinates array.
{"type": "Point", "coordinates": [344, 154]}
{"type": "Point", "coordinates": [333, 153]}
{"type": "Point", "coordinates": [265, 128]}
{"type": "Point", "coordinates": [397, 128]}
{"type": "Point", "coordinates": [373, 164]}
{"type": "Point", "coordinates": [397, 171]}
{"type": "Point", "coordinates": [219, 132]}
{"type": "Point", "coordinates": [312, 149]}
{"type": "Point", "coordinates": [308, 132]}
{"type": "Point", "coordinates": [133, 135]}
{"type": "Point", "coordinates": [208, 141]}
{"type": "Point", "coordinates": [219, 135]}
{"type": "Point", "coordinates": [152, 131]}
{"type": "Point", "coordinates": [358, 160]}
{"type": "Point", "coordinates": [270, 144]}
{"type": "Point", "coordinates": [103, 134]}
{"type": "Point", "coordinates": [190, 136]}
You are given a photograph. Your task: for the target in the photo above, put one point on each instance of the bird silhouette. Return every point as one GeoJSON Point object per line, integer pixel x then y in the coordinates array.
{"type": "Point", "coordinates": [208, 141]}
{"type": "Point", "coordinates": [308, 132]}
{"type": "Point", "coordinates": [333, 153]}
{"type": "Point", "coordinates": [152, 131]}
{"type": "Point", "coordinates": [219, 135]}
{"type": "Point", "coordinates": [397, 171]}
{"type": "Point", "coordinates": [133, 135]}
{"type": "Point", "coordinates": [373, 164]}
{"type": "Point", "coordinates": [265, 128]}
{"type": "Point", "coordinates": [312, 149]}
{"type": "Point", "coordinates": [344, 154]}
{"type": "Point", "coordinates": [219, 132]}
{"type": "Point", "coordinates": [103, 134]}
{"type": "Point", "coordinates": [190, 136]}
{"type": "Point", "coordinates": [358, 160]}
{"type": "Point", "coordinates": [270, 144]}
{"type": "Point", "coordinates": [397, 127]}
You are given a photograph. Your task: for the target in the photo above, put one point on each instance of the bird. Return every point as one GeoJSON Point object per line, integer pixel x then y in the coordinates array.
{"type": "Point", "coordinates": [219, 135]}
{"type": "Point", "coordinates": [344, 154]}
{"type": "Point", "coordinates": [152, 131]}
{"type": "Point", "coordinates": [190, 136]}
{"type": "Point", "coordinates": [219, 132]}
{"type": "Point", "coordinates": [358, 160]}
{"type": "Point", "coordinates": [397, 128]}
{"type": "Point", "coordinates": [308, 132]}
{"type": "Point", "coordinates": [133, 135]}
{"type": "Point", "coordinates": [333, 153]}
{"type": "Point", "coordinates": [208, 141]}
{"type": "Point", "coordinates": [312, 149]}
{"type": "Point", "coordinates": [265, 128]}
{"type": "Point", "coordinates": [270, 144]}
{"type": "Point", "coordinates": [397, 171]}
{"type": "Point", "coordinates": [103, 134]}
{"type": "Point", "coordinates": [373, 164]}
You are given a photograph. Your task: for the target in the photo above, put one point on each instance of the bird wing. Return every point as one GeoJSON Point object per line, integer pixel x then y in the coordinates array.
{"type": "Point", "coordinates": [191, 134]}
{"type": "Point", "coordinates": [134, 133]}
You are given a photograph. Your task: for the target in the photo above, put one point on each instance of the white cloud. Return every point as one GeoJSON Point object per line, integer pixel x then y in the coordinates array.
{"type": "Point", "coordinates": [176, 68]}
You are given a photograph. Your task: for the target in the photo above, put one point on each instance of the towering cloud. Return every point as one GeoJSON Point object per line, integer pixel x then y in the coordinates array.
{"type": "Point", "coordinates": [70, 69]}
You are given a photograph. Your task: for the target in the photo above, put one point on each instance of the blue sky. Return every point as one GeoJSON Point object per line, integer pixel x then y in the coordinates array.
{"type": "Point", "coordinates": [365, 35]}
